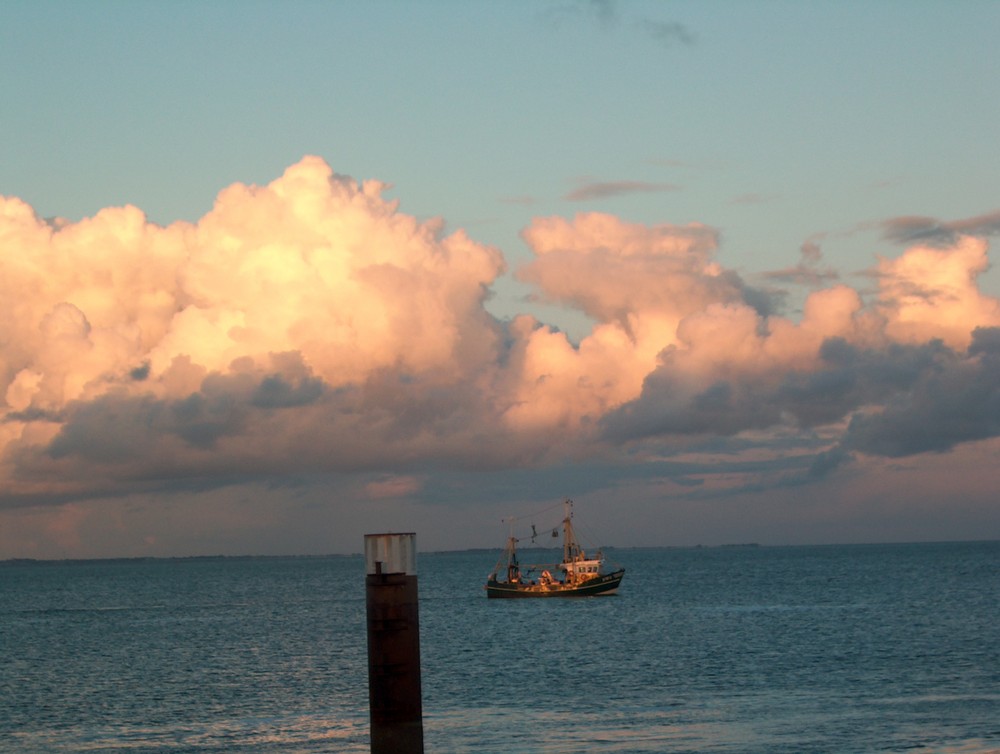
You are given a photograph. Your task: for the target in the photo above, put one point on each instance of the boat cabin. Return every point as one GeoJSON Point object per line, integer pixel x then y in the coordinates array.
{"type": "Point", "coordinates": [581, 570]}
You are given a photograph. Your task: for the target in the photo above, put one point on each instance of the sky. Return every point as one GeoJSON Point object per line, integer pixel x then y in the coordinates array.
{"type": "Point", "coordinates": [275, 275]}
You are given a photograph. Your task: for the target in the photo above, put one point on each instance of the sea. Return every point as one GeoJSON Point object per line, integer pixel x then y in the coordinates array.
{"type": "Point", "coordinates": [861, 648]}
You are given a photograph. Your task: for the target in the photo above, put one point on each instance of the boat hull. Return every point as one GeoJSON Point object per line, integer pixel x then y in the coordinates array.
{"type": "Point", "coordinates": [601, 585]}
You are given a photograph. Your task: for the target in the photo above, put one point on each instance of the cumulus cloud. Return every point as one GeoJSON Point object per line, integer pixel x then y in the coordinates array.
{"type": "Point", "coordinates": [955, 398]}
{"type": "Point", "coordinates": [734, 371]}
{"type": "Point", "coordinates": [309, 326]}
{"type": "Point", "coordinates": [163, 351]}
{"type": "Point", "coordinates": [617, 270]}
{"type": "Point", "coordinates": [930, 293]}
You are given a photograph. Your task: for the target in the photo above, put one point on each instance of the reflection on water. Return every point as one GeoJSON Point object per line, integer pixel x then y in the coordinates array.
{"type": "Point", "coordinates": [264, 735]}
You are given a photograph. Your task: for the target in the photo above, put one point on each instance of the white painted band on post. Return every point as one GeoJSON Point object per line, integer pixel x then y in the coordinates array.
{"type": "Point", "coordinates": [396, 553]}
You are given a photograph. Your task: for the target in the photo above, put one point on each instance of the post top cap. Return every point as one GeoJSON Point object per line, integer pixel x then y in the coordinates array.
{"type": "Point", "coordinates": [394, 552]}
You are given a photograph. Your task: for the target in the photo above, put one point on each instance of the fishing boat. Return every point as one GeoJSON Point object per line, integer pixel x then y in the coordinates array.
{"type": "Point", "coordinates": [576, 574]}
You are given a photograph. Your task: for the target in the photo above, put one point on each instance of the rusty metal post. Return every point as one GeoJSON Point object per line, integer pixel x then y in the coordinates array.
{"type": "Point", "coordinates": [393, 644]}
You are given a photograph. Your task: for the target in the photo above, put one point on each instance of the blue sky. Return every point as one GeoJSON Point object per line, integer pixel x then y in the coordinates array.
{"type": "Point", "coordinates": [813, 139]}
{"type": "Point", "coordinates": [775, 122]}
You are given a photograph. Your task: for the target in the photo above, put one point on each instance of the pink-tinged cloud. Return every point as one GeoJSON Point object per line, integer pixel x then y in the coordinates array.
{"type": "Point", "coordinates": [260, 333]}
{"type": "Point", "coordinates": [636, 282]}
{"type": "Point", "coordinates": [613, 270]}
{"type": "Point", "coordinates": [392, 487]}
{"type": "Point", "coordinates": [309, 327]}
{"type": "Point", "coordinates": [932, 293]}
{"type": "Point", "coordinates": [876, 365]}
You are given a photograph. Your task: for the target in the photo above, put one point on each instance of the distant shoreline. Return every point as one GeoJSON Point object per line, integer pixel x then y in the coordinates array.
{"type": "Point", "coordinates": [468, 550]}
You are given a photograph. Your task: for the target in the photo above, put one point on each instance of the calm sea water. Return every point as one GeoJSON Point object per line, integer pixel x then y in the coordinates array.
{"type": "Point", "coordinates": [807, 649]}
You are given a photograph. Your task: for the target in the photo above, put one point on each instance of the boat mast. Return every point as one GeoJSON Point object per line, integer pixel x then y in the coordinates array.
{"type": "Point", "coordinates": [513, 567]}
{"type": "Point", "coordinates": [570, 547]}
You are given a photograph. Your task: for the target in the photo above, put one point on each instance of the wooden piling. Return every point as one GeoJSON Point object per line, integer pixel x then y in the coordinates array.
{"type": "Point", "coordinates": [393, 644]}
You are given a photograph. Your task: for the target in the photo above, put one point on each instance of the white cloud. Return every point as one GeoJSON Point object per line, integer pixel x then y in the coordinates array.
{"type": "Point", "coordinates": [308, 326]}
